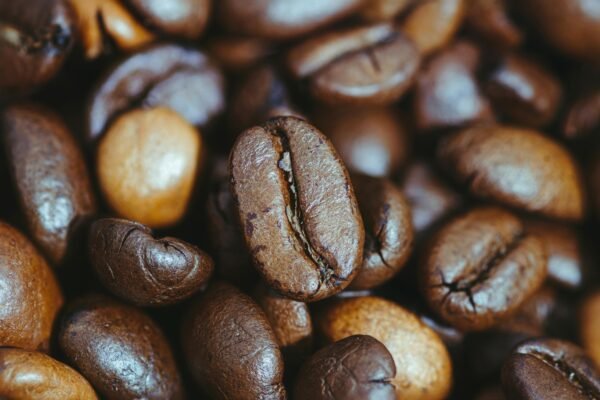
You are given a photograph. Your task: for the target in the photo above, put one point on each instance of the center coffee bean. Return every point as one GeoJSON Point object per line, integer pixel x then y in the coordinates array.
{"type": "Point", "coordinates": [297, 207]}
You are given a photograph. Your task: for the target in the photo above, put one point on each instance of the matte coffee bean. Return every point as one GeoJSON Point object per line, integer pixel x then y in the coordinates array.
{"type": "Point", "coordinates": [230, 348]}
{"type": "Point", "coordinates": [549, 369]}
{"type": "Point", "coordinates": [297, 207]}
{"type": "Point", "coordinates": [480, 267]}
{"type": "Point", "coordinates": [517, 167]}
{"type": "Point", "coordinates": [489, 20]}
{"type": "Point", "coordinates": [358, 367]}
{"type": "Point", "coordinates": [120, 350]}
{"type": "Point", "coordinates": [373, 64]}
{"type": "Point", "coordinates": [28, 375]}
{"type": "Point", "coordinates": [50, 175]}
{"type": "Point", "coordinates": [589, 326]}
{"type": "Point", "coordinates": [35, 38]}
{"type": "Point", "coordinates": [167, 75]}
{"type": "Point", "coordinates": [29, 293]}
{"type": "Point", "coordinates": [388, 230]}
{"type": "Point", "coordinates": [142, 269]}
{"type": "Point", "coordinates": [382, 10]}
{"type": "Point", "coordinates": [147, 165]}
{"type": "Point", "coordinates": [423, 367]}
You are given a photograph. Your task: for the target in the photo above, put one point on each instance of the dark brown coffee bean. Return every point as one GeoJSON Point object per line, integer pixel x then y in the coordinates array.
{"type": "Point", "coordinates": [518, 167]}
{"type": "Point", "coordinates": [120, 350]}
{"type": "Point", "coordinates": [542, 369]}
{"type": "Point", "coordinates": [358, 367]}
{"type": "Point", "coordinates": [388, 230]}
{"type": "Point", "coordinates": [280, 19]}
{"type": "Point", "coordinates": [144, 270]}
{"type": "Point", "coordinates": [237, 53]}
{"type": "Point", "coordinates": [371, 140]}
{"type": "Point", "coordinates": [28, 375]}
{"type": "Point", "coordinates": [583, 116]}
{"type": "Point", "coordinates": [374, 64]}
{"type": "Point", "coordinates": [35, 38]}
{"type": "Point", "coordinates": [29, 293]}
{"type": "Point", "coordinates": [382, 10]}
{"type": "Point", "coordinates": [534, 315]}
{"type": "Point", "coordinates": [524, 91]}
{"type": "Point", "coordinates": [167, 75]}
{"type": "Point", "coordinates": [489, 20]}
{"type": "Point", "coordinates": [230, 347]}
{"type": "Point", "coordinates": [589, 326]}
{"type": "Point", "coordinates": [480, 268]}
{"type": "Point", "coordinates": [297, 207]}
{"type": "Point", "coordinates": [447, 93]}
{"type": "Point", "coordinates": [50, 176]}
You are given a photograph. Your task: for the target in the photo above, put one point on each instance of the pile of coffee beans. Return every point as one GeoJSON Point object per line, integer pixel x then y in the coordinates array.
{"type": "Point", "coordinates": [305, 200]}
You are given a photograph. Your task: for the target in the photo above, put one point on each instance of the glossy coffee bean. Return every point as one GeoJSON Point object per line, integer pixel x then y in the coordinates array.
{"type": "Point", "coordinates": [370, 140]}
{"type": "Point", "coordinates": [29, 293]}
{"type": "Point", "coordinates": [589, 326]}
{"type": "Point", "coordinates": [423, 367]}
{"type": "Point", "coordinates": [357, 367]}
{"type": "Point", "coordinates": [280, 19]}
{"type": "Point", "coordinates": [35, 38]}
{"type": "Point", "coordinates": [388, 230]}
{"type": "Point", "coordinates": [518, 167]}
{"type": "Point", "coordinates": [142, 269]}
{"type": "Point", "coordinates": [230, 348]}
{"type": "Point", "coordinates": [480, 268]}
{"type": "Point", "coordinates": [297, 208]}
{"type": "Point", "coordinates": [489, 20]}
{"type": "Point", "coordinates": [50, 176]}
{"type": "Point", "coordinates": [372, 64]}
{"type": "Point", "coordinates": [167, 75]}
{"type": "Point", "coordinates": [534, 316]}
{"type": "Point", "coordinates": [28, 375]}
{"type": "Point", "coordinates": [147, 164]}
{"type": "Point", "coordinates": [549, 369]}
{"type": "Point", "coordinates": [120, 350]}
{"type": "Point", "coordinates": [524, 91]}
{"type": "Point", "coordinates": [447, 93]}
{"type": "Point", "coordinates": [382, 10]}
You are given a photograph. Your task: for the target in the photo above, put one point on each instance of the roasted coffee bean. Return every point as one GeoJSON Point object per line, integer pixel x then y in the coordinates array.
{"type": "Point", "coordinates": [230, 347]}
{"type": "Point", "coordinates": [382, 10]}
{"type": "Point", "coordinates": [358, 367]}
{"type": "Point", "coordinates": [582, 116]}
{"type": "Point", "coordinates": [489, 20]}
{"type": "Point", "coordinates": [35, 38]}
{"type": "Point", "coordinates": [147, 165]}
{"type": "Point", "coordinates": [297, 207]}
{"type": "Point", "coordinates": [28, 375]}
{"type": "Point", "coordinates": [481, 267]}
{"type": "Point", "coordinates": [447, 93]}
{"type": "Point", "coordinates": [237, 53]}
{"type": "Point", "coordinates": [534, 315]}
{"type": "Point", "coordinates": [373, 64]}
{"type": "Point", "coordinates": [29, 293]}
{"type": "Point", "coordinates": [167, 75]}
{"type": "Point", "coordinates": [120, 350]}
{"type": "Point", "coordinates": [371, 140]}
{"type": "Point", "coordinates": [144, 270]}
{"type": "Point", "coordinates": [589, 326]}
{"type": "Point", "coordinates": [518, 167]}
{"type": "Point", "coordinates": [388, 230]}
{"type": "Point", "coordinates": [423, 367]}
{"type": "Point", "coordinates": [50, 176]}
{"type": "Point", "coordinates": [524, 91]}
{"type": "Point", "coordinates": [549, 369]}
{"type": "Point", "coordinates": [280, 19]}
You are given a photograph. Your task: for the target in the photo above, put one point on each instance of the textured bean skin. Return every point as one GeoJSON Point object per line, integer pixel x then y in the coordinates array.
{"type": "Point", "coordinates": [230, 347]}
{"type": "Point", "coordinates": [297, 209]}
{"type": "Point", "coordinates": [145, 270]}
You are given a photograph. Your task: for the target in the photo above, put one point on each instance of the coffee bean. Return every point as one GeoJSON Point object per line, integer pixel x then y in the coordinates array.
{"type": "Point", "coordinates": [382, 10]}
{"type": "Point", "coordinates": [388, 231]}
{"type": "Point", "coordinates": [297, 207]}
{"type": "Point", "coordinates": [589, 326]}
{"type": "Point", "coordinates": [120, 350]}
{"type": "Point", "coordinates": [518, 167]}
{"type": "Point", "coordinates": [583, 116]}
{"type": "Point", "coordinates": [28, 375]}
{"type": "Point", "coordinates": [489, 20]}
{"type": "Point", "coordinates": [480, 268]}
{"type": "Point", "coordinates": [50, 176]}
{"type": "Point", "coordinates": [423, 368]}
{"type": "Point", "coordinates": [144, 270]}
{"type": "Point", "coordinates": [230, 347]}
{"type": "Point", "coordinates": [167, 75]}
{"type": "Point", "coordinates": [35, 38]}
{"type": "Point", "coordinates": [549, 369]}
{"type": "Point", "coordinates": [147, 164]}
{"type": "Point", "coordinates": [373, 64]}
{"type": "Point", "coordinates": [534, 316]}
{"type": "Point", "coordinates": [237, 53]}
{"type": "Point", "coordinates": [29, 293]}
{"type": "Point", "coordinates": [357, 367]}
